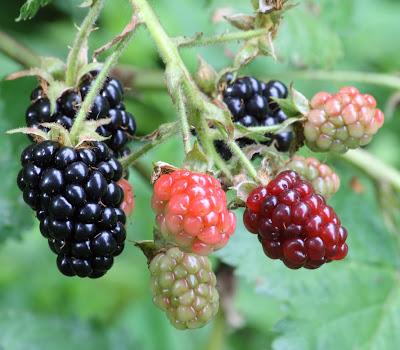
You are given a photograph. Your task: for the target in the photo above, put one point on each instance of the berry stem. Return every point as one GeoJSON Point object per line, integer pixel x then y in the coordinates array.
{"type": "Point", "coordinates": [236, 150]}
{"type": "Point", "coordinates": [18, 52]}
{"type": "Point", "coordinates": [162, 134]}
{"type": "Point", "coordinates": [80, 41]}
{"type": "Point", "coordinates": [185, 128]}
{"type": "Point", "coordinates": [387, 80]}
{"type": "Point", "coordinates": [96, 86]}
{"type": "Point", "coordinates": [179, 81]}
{"type": "Point", "coordinates": [374, 167]}
{"type": "Point", "coordinates": [200, 40]}
{"type": "Point", "coordinates": [207, 144]}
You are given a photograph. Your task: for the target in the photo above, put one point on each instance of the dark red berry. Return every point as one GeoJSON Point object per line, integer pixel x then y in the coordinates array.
{"type": "Point", "coordinates": [294, 224]}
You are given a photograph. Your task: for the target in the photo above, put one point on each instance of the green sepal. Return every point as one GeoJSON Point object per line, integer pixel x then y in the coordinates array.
{"type": "Point", "coordinates": [241, 21]}
{"type": "Point", "coordinates": [196, 160]}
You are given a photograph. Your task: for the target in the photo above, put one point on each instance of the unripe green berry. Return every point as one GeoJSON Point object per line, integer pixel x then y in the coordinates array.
{"type": "Point", "coordinates": [184, 286]}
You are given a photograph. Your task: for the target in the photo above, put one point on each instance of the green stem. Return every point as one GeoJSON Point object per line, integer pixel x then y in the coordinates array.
{"type": "Point", "coordinates": [200, 40]}
{"type": "Point", "coordinates": [80, 41]}
{"type": "Point", "coordinates": [361, 77]}
{"type": "Point", "coordinates": [208, 146]}
{"type": "Point", "coordinates": [163, 133]}
{"type": "Point", "coordinates": [236, 150]}
{"type": "Point", "coordinates": [96, 86]}
{"type": "Point", "coordinates": [166, 47]}
{"type": "Point", "coordinates": [18, 52]}
{"type": "Point", "coordinates": [374, 167]}
{"type": "Point", "coordinates": [185, 128]}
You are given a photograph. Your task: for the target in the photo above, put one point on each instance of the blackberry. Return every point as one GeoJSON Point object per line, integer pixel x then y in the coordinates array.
{"type": "Point", "coordinates": [77, 203]}
{"type": "Point", "coordinates": [108, 104]}
{"type": "Point", "coordinates": [251, 103]}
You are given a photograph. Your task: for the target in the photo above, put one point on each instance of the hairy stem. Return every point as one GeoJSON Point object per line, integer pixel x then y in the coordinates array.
{"type": "Point", "coordinates": [96, 86]}
{"type": "Point", "coordinates": [208, 146]}
{"type": "Point", "coordinates": [185, 128]}
{"type": "Point", "coordinates": [80, 40]}
{"type": "Point", "coordinates": [161, 135]}
{"type": "Point", "coordinates": [236, 150]}
{"type": "Point", "coordinates": [18, 52]}
{"type": "Point", "coordinates": [200, 40]}
{"type": "Point", "coordinates": [387, 80]}
{"type": "Point", "coordinates": [374, 167]}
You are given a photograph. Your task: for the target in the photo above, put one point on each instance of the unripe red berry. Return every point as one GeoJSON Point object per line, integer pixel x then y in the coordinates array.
{"type": "Point", "coordinates": [192, 211]}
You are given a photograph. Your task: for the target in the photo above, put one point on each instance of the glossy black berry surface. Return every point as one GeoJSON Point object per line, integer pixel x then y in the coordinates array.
{"type": "Point", "coordinates": [251, 103]}
{"type": "Point", "coordinates": [77, 202]}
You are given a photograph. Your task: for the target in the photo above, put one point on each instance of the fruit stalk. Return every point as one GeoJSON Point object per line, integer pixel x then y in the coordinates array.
{"type": "Point", "coordinates": [82, 36]}
{"type": "Point", "coordinates": [374, 167]}
{"type": "Point", "coordinates": [185, 128]}
{"type": "Point", "coordinates": [177, 77]}
{"type": "Point", "coordinates": [243, 159]}
{"type": "Point", "coordinates": [97, 85]}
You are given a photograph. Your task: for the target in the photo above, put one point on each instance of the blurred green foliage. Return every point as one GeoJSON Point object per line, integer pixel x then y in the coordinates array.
{"type": "Point", "coordinates": [354, 304]}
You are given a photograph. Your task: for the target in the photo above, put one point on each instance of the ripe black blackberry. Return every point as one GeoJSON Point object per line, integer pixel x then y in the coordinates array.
{"type": "Point", "coordinates": [77, 201]}
{"type": "Point", "coordinates": [108, 104]}
{"type": "Point", "coordinates": [251, 103]}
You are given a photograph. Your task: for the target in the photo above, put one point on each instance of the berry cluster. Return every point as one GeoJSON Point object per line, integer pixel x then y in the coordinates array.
{"type": "Point", "coordinates": [323, 179]}
{"type": "Point", "coordinates": [294, 224]}
{"type": "Point", "coordinates": [184, 286]}
{"type": "Point", "coordinates": [108, 104]}
{"type": "Point", "coordinates": [342, 121]}
{"type": "Point", "coordinates": [77, 201]}
{"type": "Point", "coordinates": [192, 211]}
{"type": "Point", "coordinates": [251, 103]}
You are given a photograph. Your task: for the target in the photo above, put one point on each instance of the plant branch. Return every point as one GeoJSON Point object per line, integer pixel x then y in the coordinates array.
{"type": "Point", "coordinates": [18, 52]}
{"type": "Point", "coordinates": [185, 128]}
{"type": "Point", "coordinates": [96, 86]}
{"type": "Point", "coordinates": [80, 41]}
{"type": "Point", "coordinates": [387, 80]}
{"type": "Point", "coordinates": [236, 150]}
{"type": "Point", "coordinates": [207, 144]}
{"type": "Point", "coordinates": [201, 40]}
{"type": "Point", "coordinates": [374, 167]}
{"type": "Point", "coordinates": [162, 134]}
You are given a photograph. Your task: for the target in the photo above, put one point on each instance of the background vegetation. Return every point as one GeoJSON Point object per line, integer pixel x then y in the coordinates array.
{"type": "Point", "coordinates": [354, 304]}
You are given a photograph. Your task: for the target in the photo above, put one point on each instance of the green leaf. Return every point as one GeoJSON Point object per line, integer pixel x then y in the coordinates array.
{"type": "Point", "coordinates": [30, 8]}
{"type": "Point", "coordinates": [15, 215]}
{"type": "Point", "coordinates": [23, 330]}
{"type": "Point", "coordinates": [361, 293]}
